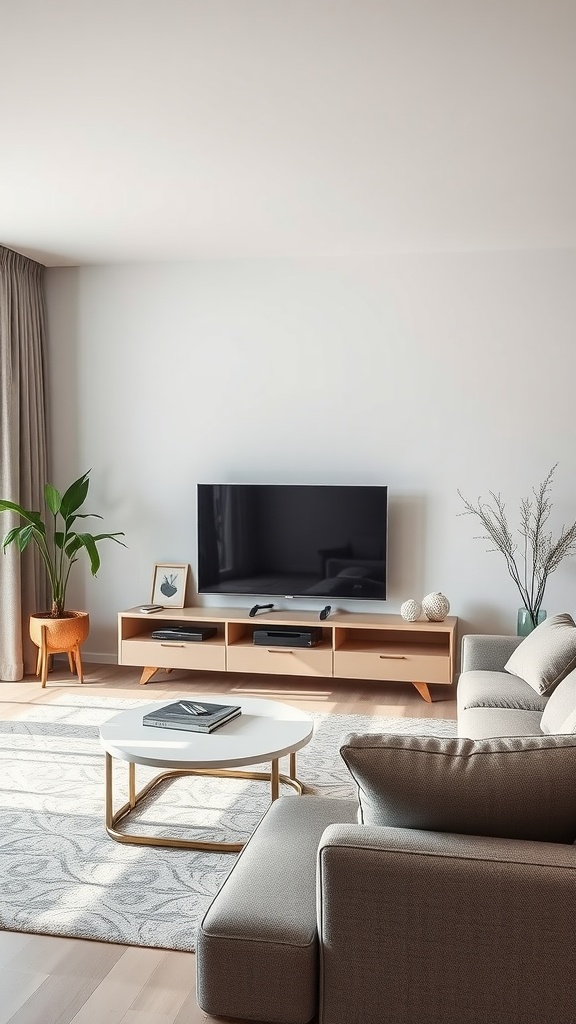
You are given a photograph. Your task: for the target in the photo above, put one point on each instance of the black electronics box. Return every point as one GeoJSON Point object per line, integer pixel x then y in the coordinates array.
{"type": "Point", "coordinates": [190, 634]}
{"type": "Point", "coordinates": [288, 637]}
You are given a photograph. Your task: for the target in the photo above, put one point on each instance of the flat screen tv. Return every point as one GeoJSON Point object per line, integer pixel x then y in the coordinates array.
{"type": "Point", "coordinates": [293, 540]}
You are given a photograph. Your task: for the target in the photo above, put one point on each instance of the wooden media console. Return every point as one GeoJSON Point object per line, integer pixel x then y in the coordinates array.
{"type": "Point", "coordinates": [353, 646]}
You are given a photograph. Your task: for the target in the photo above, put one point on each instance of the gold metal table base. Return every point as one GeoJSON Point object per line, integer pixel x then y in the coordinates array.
{"type": "Point", "coordinates": [113, 818]}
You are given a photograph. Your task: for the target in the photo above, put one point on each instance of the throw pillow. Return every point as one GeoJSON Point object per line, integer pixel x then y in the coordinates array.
{"type": "Point", "coordinates": [559, 715]}
{"type": "Point", "coordinates": [569, 724]}
{"type": "Point", "coordinates": [512, 787]}
{"type": "Point", "coordinates": [546, 655]}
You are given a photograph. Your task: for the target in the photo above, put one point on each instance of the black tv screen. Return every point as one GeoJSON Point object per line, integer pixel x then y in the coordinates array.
{"type": "Point", "coordinates": [293, 540]}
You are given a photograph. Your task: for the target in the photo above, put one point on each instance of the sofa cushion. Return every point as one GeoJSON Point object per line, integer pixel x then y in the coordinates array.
{"type": "Point", "coordinates": [481, 689]}
{"type": "Point", "coordinates": [509, 787]}
{"type": "Point", "coordinates": [560, 712]}
{"type": "Point", "coordinates": [547, 654]}
{"type": "Point", "coordinates": [485, 723]}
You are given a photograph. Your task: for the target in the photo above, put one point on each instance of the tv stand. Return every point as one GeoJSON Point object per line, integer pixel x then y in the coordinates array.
{"type": "Point", "coordinates": [353, 646]}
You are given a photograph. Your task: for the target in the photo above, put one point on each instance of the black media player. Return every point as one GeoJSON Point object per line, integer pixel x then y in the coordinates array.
{"type": "Point", "coordinates": [190, 634]}
{"type": "Point", "coordinates": [288, 637]}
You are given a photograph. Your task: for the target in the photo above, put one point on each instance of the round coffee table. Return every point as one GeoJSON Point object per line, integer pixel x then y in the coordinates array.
{"type": "Point", "coordinates": [266, 730]}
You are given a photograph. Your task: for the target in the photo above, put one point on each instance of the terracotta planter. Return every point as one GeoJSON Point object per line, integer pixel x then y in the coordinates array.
{"type": "Point", "coordinates": [59, 636]}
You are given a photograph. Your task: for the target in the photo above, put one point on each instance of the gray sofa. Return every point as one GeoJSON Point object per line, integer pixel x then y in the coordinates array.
{"type": "Point", "coordinates": [493, 701]}
{"type": "Point", "coordinates": [446, 894]}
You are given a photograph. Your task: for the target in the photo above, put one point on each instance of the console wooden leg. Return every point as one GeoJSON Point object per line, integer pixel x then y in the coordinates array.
{"type": "Point", "coordinates": [423, 691]}
{"type": "Point", "coordinates": [147, 674]}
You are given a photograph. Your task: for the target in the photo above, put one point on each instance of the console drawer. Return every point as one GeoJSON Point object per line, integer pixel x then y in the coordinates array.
{"type": "Point", "coordinates": [426, 668]}
{"type": "Point", "coordinates": [174, 654]}
{"type": "Point", "coordinates": [289, 661]}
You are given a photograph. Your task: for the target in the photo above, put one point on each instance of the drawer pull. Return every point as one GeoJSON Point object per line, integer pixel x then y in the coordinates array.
{"type": "Point", "coordinates": [172, 645]}
{"type": "Point", "coordinates": [279, 650]}
{"type": "Point", "coordinates": [393, 657]}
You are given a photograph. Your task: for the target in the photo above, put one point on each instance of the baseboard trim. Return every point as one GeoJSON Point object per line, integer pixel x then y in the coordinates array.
{"type": "Point", "coordinates": [97, 658]}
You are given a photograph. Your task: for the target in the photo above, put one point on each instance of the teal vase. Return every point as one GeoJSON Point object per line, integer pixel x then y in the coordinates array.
{"type": "Point", "coordinates": [525, 624]}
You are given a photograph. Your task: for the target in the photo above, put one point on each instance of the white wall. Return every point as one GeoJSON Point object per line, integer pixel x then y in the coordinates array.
{"type": "Point", "coordinates": [428, 373]}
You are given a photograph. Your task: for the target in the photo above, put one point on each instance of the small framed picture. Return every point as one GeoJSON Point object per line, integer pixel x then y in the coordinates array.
{"type": "Point", "coordinates": [169, 585]}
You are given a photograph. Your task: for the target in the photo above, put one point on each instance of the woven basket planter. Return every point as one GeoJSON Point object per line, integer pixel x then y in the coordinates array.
{"type": "Point", "coordinates": [59, 636]}
{"type": "Point", "coordinates": [62, 635]}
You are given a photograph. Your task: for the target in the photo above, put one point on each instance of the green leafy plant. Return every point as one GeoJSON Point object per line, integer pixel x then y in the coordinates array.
{"type": "Point", "coordinates": [59, 543]}
{"type": "Point", "coordinates": [539, 554]}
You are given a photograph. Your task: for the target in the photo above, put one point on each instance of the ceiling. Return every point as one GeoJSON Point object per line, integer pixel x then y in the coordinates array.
{"type": "Point", "coordinates": [156, 130]}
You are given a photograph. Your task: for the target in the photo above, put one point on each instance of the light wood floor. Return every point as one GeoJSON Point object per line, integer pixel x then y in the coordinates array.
{"type": "Point", "coordinates": [71, 981]}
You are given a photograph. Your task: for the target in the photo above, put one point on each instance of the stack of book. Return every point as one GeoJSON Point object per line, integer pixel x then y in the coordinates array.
{"type": "Point", "coordinates": [193, 716]}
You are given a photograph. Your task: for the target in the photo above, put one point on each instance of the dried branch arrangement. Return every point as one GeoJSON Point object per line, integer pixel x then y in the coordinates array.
{"type": "Point", "coordinates": [538, 554]}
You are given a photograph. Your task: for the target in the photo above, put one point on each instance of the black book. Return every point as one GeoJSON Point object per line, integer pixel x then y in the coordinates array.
{"type": "Point", "coordinates": [192, 716]}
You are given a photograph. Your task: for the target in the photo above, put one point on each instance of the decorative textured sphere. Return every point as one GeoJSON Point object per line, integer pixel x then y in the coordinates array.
{"type": "Point", "coordinates": [411, 610]}
{"type": "Point", "coordinates": [436, 607]}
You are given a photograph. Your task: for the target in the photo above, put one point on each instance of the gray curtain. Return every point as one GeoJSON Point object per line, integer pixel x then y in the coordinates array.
{"type": "Point", "coordinates": [23, 451]}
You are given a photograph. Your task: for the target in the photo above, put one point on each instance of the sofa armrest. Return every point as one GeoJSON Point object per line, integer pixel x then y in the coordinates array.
{"type": "Point", "coordinates": [487, 652]}
{"type": "Point", "coordinates": [434, 926]}
{"type": "Point", "coordinates": [256, 948]}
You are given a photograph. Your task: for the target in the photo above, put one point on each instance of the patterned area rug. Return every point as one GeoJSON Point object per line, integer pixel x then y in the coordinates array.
{"type": "Point", "coordinates": [62, 874]}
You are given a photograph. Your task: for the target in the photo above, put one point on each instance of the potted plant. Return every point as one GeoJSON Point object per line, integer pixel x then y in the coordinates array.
{"type": "Point", "coordinates": [58, 630]}
{"type": "Point", "coordinates": [539, 553]}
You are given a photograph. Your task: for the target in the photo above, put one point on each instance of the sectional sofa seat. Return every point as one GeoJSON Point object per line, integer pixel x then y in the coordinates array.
{"type": "Point", "coordinates": [444, 894]}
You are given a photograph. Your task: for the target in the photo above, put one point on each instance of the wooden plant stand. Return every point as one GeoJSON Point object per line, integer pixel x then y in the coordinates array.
{"type": "Point", "coordinates": [45, 654]}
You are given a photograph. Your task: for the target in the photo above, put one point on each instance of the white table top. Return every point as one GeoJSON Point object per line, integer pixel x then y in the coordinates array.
{"type": "Point", "coordinates": [265, 730]}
